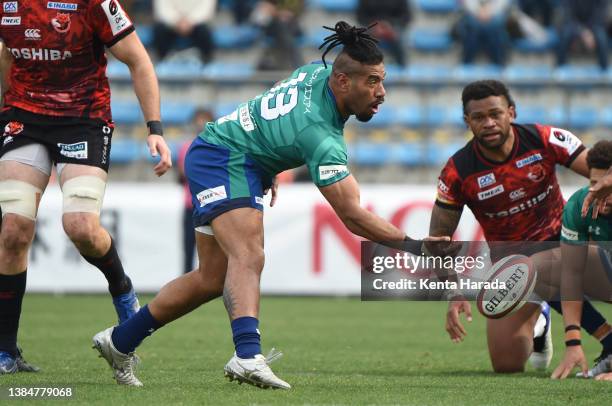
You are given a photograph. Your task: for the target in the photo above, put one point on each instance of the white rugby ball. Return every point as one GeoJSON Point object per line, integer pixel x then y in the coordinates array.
{"type": "Point", "coordinates": [511, 282]}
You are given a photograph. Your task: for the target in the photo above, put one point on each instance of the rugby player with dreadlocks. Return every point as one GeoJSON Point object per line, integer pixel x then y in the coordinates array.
{"type": "Point", "coordinates": [231, 165]}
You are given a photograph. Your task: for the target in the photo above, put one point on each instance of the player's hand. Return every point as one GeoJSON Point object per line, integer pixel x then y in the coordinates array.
{"type": "Point", "coordinates": [454, 328]}
{"type": "Point", "coordinates": [574, 356]}
{"type": "Point", "coordinates": [442, 248]}
{"type": "Point", "coordinates": [274, 189]}
{"type": "Point", "coordinates": [604, 377]}
{"type": "Point", "coordinates": [157, 147]}
{"type": "Point", "coordinates": [597, 195]}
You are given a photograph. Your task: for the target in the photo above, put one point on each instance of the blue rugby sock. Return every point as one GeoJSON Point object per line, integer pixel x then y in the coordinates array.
{"type": "Point", "coordinates": [129, 334]}
{"type": "Point", "coordinates": [246, 337]}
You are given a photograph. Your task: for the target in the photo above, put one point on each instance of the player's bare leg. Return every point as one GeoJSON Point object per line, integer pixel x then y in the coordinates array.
{"type": "Point", "coordinates": [195, 288]}
{"type": "Point", "coordinates": [83, 189]}
{"type": "Point", "coordinates": [240, 234]}
{"type": "Point", "coordinates": [21, 187]}
{"type": "Point", "coordinates": [510, 339]}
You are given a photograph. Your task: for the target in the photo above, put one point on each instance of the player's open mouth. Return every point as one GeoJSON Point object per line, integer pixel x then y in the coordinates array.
{"type": "Point", "coordinates": [491, 136]}
{"type": "Point", "coordinates": [374, 107]}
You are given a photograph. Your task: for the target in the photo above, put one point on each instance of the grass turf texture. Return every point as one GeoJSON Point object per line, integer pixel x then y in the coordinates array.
{"type": "Point", "coordinates": [337, 351]}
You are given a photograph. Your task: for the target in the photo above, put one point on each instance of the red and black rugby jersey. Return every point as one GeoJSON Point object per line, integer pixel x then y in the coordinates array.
{"type": "Point", "coordinates": [518, 199]}
{"type": "Point", "coordinates": [59, 66]}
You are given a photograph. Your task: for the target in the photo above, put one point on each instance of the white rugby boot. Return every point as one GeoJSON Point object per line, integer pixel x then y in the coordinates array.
{"type": "Point", "coordinates": [122, 364]}
{"type": "Point", "coordinates": [542, 353]}
{"type": "Point", "coordinates": [255, 371]}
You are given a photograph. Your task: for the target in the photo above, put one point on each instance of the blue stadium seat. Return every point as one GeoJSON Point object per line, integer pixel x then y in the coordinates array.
{"type": "Point", "coordinates": [395, 73]}
{"type": "Point", "coordinates": [370, 153]}
{"type": "Point", "coordinates": [427, 39]}
{"type": "Point", "coordinates": [385, 117]}
{"type": "Point", "coordinates": [334, 6]}
{"type": "Point", "coordinates": [177, 113]}
{"type": "Point", "coordinates": [606, 117]}
{"type": "Point", "coordinates": [434, 74]}
{"type": "Point", "coordinates": [117, 70]}
{"type": "Point", "coordinates": [531, 73]}
{"type": "Point", "coordinates": [229, 71]}
{"type": "Point", "coordinates": [439, 152]}
{"type": "Point", "coordinates": [411, 116]}
{"type": "Point", "coordinates": [578, 74]}
{"type": "Point", "coordinates": [225, 108]}
{"type": "Point", "coordinates": [469, 73]}
{"type": "Point", "coordinates": [145, 33]}
{"type": "Point", "coordinates": [583, 117]}
{"type": "Point", "coordinates": [125, 151]}
{"type": "Point", "coordinates": [410, 154]}
{"type": "Point", "coordinates": [441, 116]}
{"type": "Point", "coordinates": [531, 46]}
{"type": "Point", "coordinates": [126, 112]}
{"type": "Point", "coordinates": [527, 114]}
{"type": "Point", "coordinates": [179, 69]}
{"type": "Point", "coordinates": [314, 37]}
{"type": "Point", "coordinates": [437, 6]}
{"type": "Point", "coordinates": [235, 36]}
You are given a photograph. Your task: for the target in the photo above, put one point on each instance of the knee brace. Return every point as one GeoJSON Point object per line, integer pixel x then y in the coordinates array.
{"type": "Point", "coordinates": [83, 194]}
{"type": "Point", "coordinates": [18, 197]}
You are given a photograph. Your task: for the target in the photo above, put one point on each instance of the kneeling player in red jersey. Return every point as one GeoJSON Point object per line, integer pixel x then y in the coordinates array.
{"type": "Point", "coordinates": [506, 176]}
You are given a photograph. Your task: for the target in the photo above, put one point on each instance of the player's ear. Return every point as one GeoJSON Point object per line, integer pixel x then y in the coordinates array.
{"type": "Point", "coordinates": [512, 112]}
{"type": "Point", "coordinates": [344, 81]}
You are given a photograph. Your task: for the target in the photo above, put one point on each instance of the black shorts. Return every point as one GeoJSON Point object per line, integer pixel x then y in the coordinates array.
{"type": "Point", "coordinates": [69, 140]}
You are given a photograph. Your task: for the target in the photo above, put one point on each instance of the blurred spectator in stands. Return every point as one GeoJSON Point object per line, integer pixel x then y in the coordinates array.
{"type": "Point", "coordinates": [279, 20]}
{"type": "Point", "coordinates": [189, 19]}
{"type": "Point", "coordinates": [199, 120]}
{"type": "Point", "coordinates": [484, 24]}
{"type": "Point", "coordinates": [540, 10]}
{"type": "Point", "coordinates": [241, 10]}
{"type": "Point", "coordinates": [584, 20]}
{"type": "Point", "coordinates": [392, 17]}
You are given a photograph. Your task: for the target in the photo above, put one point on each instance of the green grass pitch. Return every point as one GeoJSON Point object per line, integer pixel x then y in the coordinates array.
{"type": "Point", "coordinates": [337, 351]}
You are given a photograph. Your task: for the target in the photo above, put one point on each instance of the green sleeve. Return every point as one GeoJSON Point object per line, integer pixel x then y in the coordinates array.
{"type": "Point", "coordinates": [324, 153]}
{"type": "Point", "coordinates": [575, 227]}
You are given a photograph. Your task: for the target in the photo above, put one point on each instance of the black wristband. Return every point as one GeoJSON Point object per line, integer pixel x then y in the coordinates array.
{"type": "Point", "coordinates": [572, 327]}
{"type": "Point", "coordinates": [573, 343]}
{"type": "Point", "coordinates": [155, 127]}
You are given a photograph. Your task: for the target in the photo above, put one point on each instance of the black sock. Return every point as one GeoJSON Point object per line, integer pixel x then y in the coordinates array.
{"type": "Point", "coordinates": [12, 289]}
{"type": "Point", "coordinates": [110, 265]}
{"type": "Point", "coordinates": [591, 319]}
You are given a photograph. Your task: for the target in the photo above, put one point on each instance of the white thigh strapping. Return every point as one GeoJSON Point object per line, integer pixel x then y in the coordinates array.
{"type": "Point", "coordinates": [205, 230]}
{"type": "Point", "coordinates": [34, 155]}
{"type": "Point", "coordinates": [83, 194]}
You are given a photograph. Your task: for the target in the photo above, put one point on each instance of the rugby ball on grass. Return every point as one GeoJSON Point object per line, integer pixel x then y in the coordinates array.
{"type": "Point", "coordinates": [515, 277]}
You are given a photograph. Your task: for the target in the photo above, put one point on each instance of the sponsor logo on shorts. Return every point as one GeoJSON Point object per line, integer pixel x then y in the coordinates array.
{"type": "Point", "coordinates": [569, 234]}
{"type": "Point", "coordinates": [211, 195]}
{"type": "Point", "coordinates": [117, 18]}
{"type": "Point", "coordinates": [10, 21]}
{"type": "Point", "coordinates": [77, 150]}
{"type": "Point", "coordinates": [32, 34]}
{"type": "Point", "coordinates": [329, 171]}
{"type": "Point", "coordinates": [486, 180]}
{"type": "Point", "coordinates": [13, 128]}
{"type": "Point", "coordinates": [62, 6]}
{"type": "Point", "coordinates": [528, 160]}
{"type": "Point", "coordinates": [596, 230]}
{"type": "Point", "coordinates": [104, 149]}
{"type": "Point", "coordinates": [259, 200]}
{"type": "Point", "coordinates": [10, 6]}
{"type": "Point", "coordinates": [487, 194]}
{"type": "Point", "coordinates": [7, 140]}
{"type": "Point", "coordinates": [61, 23]}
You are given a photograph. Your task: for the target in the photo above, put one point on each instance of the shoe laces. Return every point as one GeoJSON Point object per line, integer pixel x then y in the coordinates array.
{"type": "Point", "coordinates": [273, 355]}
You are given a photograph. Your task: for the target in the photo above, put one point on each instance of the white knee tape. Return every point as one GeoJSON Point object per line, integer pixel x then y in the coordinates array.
{"type": "Point", "coordinates": [205, 230]}
{"type": "Point", "coordinates": [19, 197]}
{"type": "Point", "coordinates": [83, 194]}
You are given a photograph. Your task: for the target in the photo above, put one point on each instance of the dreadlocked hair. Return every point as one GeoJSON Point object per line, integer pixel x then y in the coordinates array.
{"type": "Point", "coordinates": [357, 43]}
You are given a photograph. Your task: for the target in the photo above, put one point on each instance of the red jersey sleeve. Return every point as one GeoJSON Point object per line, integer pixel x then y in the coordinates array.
{"type": "Point", "coordinates": [109, 21]}
{"type": "Point", "coordinates": [449, 187]}
{"type": "Point", "coordinates": [564, 145]}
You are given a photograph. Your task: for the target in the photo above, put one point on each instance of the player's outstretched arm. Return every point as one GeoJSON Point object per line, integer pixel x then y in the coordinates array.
{"type": "Point", "coordinates": [343, 196]}
{"type": "Point", "coordinates": [444, 222]}
{"type": "Point", "coordinates": [597, 195]}
{"type": "Point", "coordinates": [131, 52]}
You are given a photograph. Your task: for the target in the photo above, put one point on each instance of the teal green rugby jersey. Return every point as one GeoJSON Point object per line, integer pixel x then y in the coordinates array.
{"type": "Point", "coordinates": [577, 228]}
{"type": "Point", "coordinates": [295, 123]}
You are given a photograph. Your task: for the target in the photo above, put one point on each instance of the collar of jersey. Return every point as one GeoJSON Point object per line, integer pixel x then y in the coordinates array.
{"type": "Point", "coordinates": [339, 117]}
